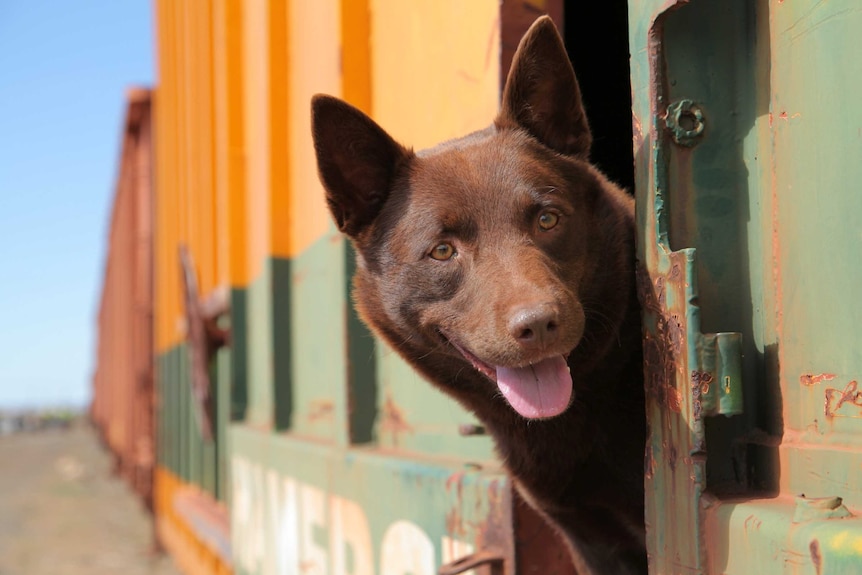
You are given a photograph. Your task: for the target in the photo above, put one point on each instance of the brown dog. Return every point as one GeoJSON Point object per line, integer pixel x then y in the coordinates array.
{"type": "Point", "coordinates": [501, 266]}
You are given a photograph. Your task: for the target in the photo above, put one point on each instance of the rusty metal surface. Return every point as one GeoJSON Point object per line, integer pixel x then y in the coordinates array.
{"type": "Point", "coordinates": [204, 337]}
{"type": "Point", "coordinates": [309, 506]}
{"type": "Point", "coordinates": [734, 145]}
{"type": "Point", "coordinates": [123, 392]}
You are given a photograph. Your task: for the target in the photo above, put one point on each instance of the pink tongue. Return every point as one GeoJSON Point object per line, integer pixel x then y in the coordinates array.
{"type": "Point", "coordinates": [537, 391]}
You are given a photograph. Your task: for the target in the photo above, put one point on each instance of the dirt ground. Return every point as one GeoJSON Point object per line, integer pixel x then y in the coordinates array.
{"type": "Point", "coordinates": [62, 513]}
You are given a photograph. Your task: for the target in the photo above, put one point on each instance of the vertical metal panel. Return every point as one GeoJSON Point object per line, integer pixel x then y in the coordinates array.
{"type": "Point", "coordinates": [235, 162]}
{"type": "Point", "coordinates": [423, 91]}
{"type": "Point", "coordinates": [817, 140]}
{"type": "Point", "coordinates": [200, 205]}
{"type": "Point", "coordinates": [724, 496]}
{"type": "Point", "coordinates": [123, 382]}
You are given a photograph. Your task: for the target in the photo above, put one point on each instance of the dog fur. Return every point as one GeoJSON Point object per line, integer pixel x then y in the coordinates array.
{"type": "Point", "coordinates": [505, 253]}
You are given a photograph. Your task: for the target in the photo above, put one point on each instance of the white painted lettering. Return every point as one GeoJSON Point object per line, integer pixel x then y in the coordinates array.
{"type": "Point", "coordinates": [406, 549]}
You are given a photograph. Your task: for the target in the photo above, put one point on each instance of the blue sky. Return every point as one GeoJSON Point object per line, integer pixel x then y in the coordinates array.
{"type": "Point", "coordinates": [64, 69]}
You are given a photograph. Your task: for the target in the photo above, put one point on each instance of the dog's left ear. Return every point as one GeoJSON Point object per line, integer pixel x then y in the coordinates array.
{"type": "Point", "coordinates": [542, 94]}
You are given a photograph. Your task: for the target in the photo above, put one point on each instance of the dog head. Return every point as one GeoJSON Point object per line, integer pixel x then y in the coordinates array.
{"type": "Point", "coordinates": [484, 251]}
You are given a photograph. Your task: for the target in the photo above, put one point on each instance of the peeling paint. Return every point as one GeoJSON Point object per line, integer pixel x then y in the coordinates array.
{"type": "Point", "coordinates": [835, 399]}
{"type": "Point", "coordinates": [393, 420]}
{"type": "Point", "coordinates": [811, 379]}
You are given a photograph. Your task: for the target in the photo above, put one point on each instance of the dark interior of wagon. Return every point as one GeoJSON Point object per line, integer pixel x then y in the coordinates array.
{"type": "Point", "coordinates": [596, 36]}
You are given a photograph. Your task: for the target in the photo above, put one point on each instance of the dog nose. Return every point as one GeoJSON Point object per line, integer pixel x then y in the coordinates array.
{"type": "Point", "coordinates": [535, 327]}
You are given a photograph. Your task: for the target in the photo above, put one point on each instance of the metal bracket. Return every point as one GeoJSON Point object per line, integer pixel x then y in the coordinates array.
{"type": "Point", "coordinates": [484, 557]}
{"type": "Point", "coordinates": [204, 337]}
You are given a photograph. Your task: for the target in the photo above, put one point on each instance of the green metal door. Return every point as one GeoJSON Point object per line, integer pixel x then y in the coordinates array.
{"type": "Point", "coordinates": [748, 140]}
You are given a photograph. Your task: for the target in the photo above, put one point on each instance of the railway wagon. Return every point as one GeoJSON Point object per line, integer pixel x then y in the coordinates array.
{"type": "Point", "coordinates": [290, 441]}
{"type": "Point", "coordinates": [123, 409]}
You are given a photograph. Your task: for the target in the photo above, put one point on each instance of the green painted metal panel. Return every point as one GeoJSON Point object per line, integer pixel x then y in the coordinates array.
{"type": "Point", "coordinates": [313, 368]}
{"type": "Point", "coordinates": [301, 506]}
{"type": "Point", "coordinates": [163, 434]}
{"type": "Point", "coordinates": [747, 142]}
{"type": "Point", "coordinates": [184, 451]}
{"type": "Point", "coordinates": [268, 346]}
{"type": "Point", "coordinates": [318, 338]}
{"type": "Point", "coordinates": [361, 365]}
{"type": "Point", "coordinates": [238, 375]}
{"type": "Point", "coordinates": [415, 417]}
{"type": "Point", "coordinates": [817, 145]}
{"type": "Point", "coordinates": [224, 407]}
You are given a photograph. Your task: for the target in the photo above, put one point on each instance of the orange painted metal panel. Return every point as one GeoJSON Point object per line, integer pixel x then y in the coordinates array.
{"type": "Point", "coordinates": [265, 61]}
{"type": "Point", "coordinates": [199, 153]}
{"type": "Point", "coordinates": [356, 53]}
{"type": "Point", "coordinates": [229, 162]}
{"type": "Point", "coordinates": [315, 66]}
{"type": "Point", "coordinates": [436, 67]}
{"type": "Point", "coordinates": [191, 552]}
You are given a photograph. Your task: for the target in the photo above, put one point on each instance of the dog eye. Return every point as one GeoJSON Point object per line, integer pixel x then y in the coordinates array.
{"type": "Point", "coordinates": [442, 252]}
{"type": "Point", "coordinates": [548, 220]}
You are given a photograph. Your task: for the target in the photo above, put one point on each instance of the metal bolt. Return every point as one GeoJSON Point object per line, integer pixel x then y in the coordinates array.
{"type": "Point", "coordinates": [686, 122]}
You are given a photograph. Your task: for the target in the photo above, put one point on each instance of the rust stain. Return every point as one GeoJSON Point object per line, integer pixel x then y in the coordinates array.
{"type": "Point", "coordinates": [675, 333]}
{"type": "Point", "coordinates": [752, 523]}
{"type": "Point", "coordinates": [671, 455]}
{"type": "Point", "coordinates": [811, 379]}
{"type": "Point", "coordinates": [454, 479]}
{"type": "Point", "coordinates": [320, 409]}
{"type": "Point", "coordinates": [637, 132]}
{"type": "Point", "coordinates": [662, 348]}
{"type": "Point", "coordinates": [700, 381]}
{"type": "Point", "coordinates": [674, 399]}
{"type": "Point", "coordinates": [393, 420]}
{"type": "Point", "coordinates": [454, 521]}
{"type": "Point", "coordinates": [834, 398]}
{"type": "Point", "coordinates": [649, 462]}
{"type": "Point", "coordinates": [816, 557]}
{"type": "Point", "coordinates": [454, 524]}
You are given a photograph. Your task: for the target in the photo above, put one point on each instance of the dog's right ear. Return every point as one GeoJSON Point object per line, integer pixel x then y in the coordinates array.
{"type": "Point", "coordinates": [357, 161]}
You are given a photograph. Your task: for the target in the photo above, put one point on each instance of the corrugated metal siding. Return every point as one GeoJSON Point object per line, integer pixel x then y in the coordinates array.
{"type": "Point", "coordinates": [236, 182]}
{"type": "Point", "coordinates": [123, 393]}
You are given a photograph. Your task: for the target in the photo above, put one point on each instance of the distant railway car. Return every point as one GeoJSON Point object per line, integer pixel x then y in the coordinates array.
{"type": "Point", "coordinates": [289, 440]}
{"type": "Point", "coordinates": [123, 396]}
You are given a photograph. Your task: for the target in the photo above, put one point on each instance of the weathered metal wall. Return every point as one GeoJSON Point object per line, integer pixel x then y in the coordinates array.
{"type": "Point", "coordinates": [329, 452]}
{"type": "Point", "coordinates": [747, 162]}
{"type": "Point", "coordinates": [200, 207]}
{"type": "Point", "coordinates": [123, 396]}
